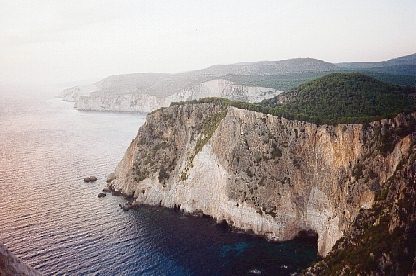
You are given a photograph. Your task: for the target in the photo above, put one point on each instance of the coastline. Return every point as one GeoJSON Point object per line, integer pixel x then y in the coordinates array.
{"type": "Point", "coordinates": [11, 265]}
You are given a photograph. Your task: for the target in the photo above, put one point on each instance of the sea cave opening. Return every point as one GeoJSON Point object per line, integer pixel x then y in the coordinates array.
{"type": "Point", "coordinates": [308, 236]}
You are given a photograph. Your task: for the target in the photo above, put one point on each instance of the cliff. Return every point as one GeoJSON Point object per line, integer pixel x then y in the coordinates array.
{"type": "Point", "coordinates": [74, 93]}
{"type": "Point", "coordinates": [263, 173]}
{"type": "Point", "coordinates": [141, 103]}
{"type": "Point", "coordinates": [10, 265]}
{"type": "Point", "coordinates": [137, 100]}
{"type": "Point", "coordinates": [381, 240]}
{"type": "Point", "coordinates": [143, 92]}
{"type": "Point", "coordinates": [245, 81]}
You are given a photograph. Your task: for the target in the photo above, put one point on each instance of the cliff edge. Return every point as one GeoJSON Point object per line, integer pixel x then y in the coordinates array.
{"type": "Point", "coordinates": [146, 100]}
{"type": "Point", "coordinates": [263, 173]}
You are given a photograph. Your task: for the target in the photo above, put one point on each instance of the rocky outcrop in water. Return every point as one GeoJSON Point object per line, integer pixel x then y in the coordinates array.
{"type": "Point", "coordinates": [110, 177]}
{"type": "Point", "coordinates": [262, 173]}
{"type": "Point", "coordinates": [90, 179]}
{"type": "Point", "coordinates": [10, 265]}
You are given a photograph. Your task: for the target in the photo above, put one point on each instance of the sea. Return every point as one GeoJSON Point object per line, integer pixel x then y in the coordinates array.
{"type": "Point", "coordinates": [55, 222]}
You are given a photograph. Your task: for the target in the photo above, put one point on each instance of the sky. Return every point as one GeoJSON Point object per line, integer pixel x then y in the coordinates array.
{"type": "Point", "coordinates": [75, 41]}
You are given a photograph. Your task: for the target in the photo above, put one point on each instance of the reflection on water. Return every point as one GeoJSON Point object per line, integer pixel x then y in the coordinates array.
{"type": "Point", "coordinates": [56, 223]}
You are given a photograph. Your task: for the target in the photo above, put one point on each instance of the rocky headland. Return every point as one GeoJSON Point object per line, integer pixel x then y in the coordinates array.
{"type": "Point", "coordinates": [146, 102]}
{"type": "Point", "coordinates": [145, 92]}
{"type": "Point", "coordinates": [244, 81]}
{"type": "Point", "coordinates": [277, 177]}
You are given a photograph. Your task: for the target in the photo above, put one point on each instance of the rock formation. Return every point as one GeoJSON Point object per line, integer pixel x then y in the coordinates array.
{"type": "Point", "coordinates": [90, 179]}
{"type": "Point", "coordinates": [136, 100]}
{"type": "Point", "coordinates": [245, 81]}
{"type": "Point", "coordinates": [273, 176]}
{"type": "Point", "coordinates": [10, 265]}
{"type": "Point", "coordinates": [144, 92]}
{"type": "Point", "coordinates": [74, 93]}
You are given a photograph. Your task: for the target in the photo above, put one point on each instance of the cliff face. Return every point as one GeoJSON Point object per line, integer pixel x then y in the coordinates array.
{"type": "Point", "coordinates": [135, 100]}
{"type": "Point", "coordinates": [119, 103]}
{"type": "Point", "coordinates": [381, 240]}
{"type": "Point", "coordinates": [224, 89]}
{"type": "Point", "coordinates": [74, 93]}
{"type": "Point", "coordinates": [10, 265]}
{"type": "Point", "coordinates": [262, 173]}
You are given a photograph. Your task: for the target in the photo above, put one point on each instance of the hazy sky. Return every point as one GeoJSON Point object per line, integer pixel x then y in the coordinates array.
{"type": "Point", "coordinates": [61, 41]}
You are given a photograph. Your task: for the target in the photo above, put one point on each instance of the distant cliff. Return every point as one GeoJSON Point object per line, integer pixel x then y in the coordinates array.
{"type": "Point", "coordinates": [146, 101]}
{"type": "Point", "coordinates": [246, 81]}
{"type": "Point", "coordinates": [263, 173]}
{"type": "Point", "coordinates": [74, 93]}
{"type": "Point", "coordinates": [144, 92]}
{"type": "Point", "coordinates": [11, 265]}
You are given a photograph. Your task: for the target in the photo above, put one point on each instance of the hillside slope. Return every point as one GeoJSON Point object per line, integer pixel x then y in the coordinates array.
{"type": "Point", "coordinates": [343, 98]}
{"type": "Point", "coordinates": [403, 66]}
{"type": "Point", "coordinates": [295, 65]}
{"type": "Point", "coordinates": [381, 240]}
{"type": "Point", "coordinates": [404, 60]}
{"type": "Point", "coordinates": [142, 92]}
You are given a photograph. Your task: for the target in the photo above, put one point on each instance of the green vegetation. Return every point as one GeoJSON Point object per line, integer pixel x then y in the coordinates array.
{"type": "Point", "coordinates": [405, 80]}
{"type": "Point", "coordinates": [334, 99]}
{"type": "Point", "coordinates": [372, 240]}
{"type": "Point", "coordinates": [208, 127]}
{"type": "Point", "coordinates": [286, 82]}
{"type": "Point", "coordinates": [276, 151]}
{"type": "Point", "coordinates": [282, 82]}
{"type": "Point", "coordinates": [365, 257]}
{"type": "Point", "coordinates": [345, 98]}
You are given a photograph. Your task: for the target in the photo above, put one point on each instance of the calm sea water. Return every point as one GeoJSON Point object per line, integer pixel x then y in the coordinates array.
{"type": "Point", "coordinates": [55, 222]}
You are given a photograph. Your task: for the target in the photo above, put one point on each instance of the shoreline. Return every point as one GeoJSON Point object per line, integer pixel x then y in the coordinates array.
{"type": "Point", "coordinates": [307, 236]}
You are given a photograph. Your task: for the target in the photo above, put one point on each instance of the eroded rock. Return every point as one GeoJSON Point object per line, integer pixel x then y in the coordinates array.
{"type": "Point", "coordinates": [90, 179]}
{"type": "Point", "coordinates": [267, 174]}
{"type": "Point", "coordinates": [111, 177]}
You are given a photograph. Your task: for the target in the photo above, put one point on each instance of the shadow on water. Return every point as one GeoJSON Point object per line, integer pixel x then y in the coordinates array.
{"type": "Point", "coordinates": [202, 247]}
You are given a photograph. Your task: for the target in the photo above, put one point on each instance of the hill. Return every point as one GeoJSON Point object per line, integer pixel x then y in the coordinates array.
{"type": "Point", "coordinates": [141, 92]}
{"type": "Point", "coordinates": [404, 60]}
{"type": "Point", "coordinates": [335, 98]}
{"type": "Point", "coordinates": [163, 85]}
{"type": "Point", "coordinates": [405, 65]}
{"type": "Point", "coordinates": [295, 65]}
{"type": "Point", "coordinates": [343, 97]}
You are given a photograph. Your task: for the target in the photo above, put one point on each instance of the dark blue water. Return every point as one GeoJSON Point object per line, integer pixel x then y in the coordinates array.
{"type": "Point", "coordinates": [55, 222]}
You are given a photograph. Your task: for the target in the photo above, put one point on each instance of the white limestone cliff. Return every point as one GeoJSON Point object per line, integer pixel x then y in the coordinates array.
{"type": "Point", "coordinates": [258, 172]}
{"type": "Point", "coordinates": [91, 98]}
